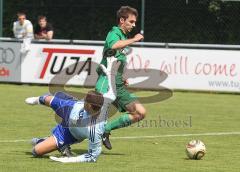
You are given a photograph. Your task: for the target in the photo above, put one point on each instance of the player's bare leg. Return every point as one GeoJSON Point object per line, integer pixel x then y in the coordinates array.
{"type": "Point", "coordinates": [46, 100]}
{"type": "Point", "coordinates": [46, 146]}
{"type": "Point", "coordinates": [136, 112]}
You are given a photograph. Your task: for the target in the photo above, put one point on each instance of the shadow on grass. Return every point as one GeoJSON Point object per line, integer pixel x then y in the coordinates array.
{"type": "Point", "coordinates": [82, 151]}
{"type": "Point", "coordinates": [79, 151]}
{"type": "Point", "coordinates": [188, 159]}
{"type": "Point", "coordinates": [75, 152]}
{"type": "Point", "coordinates": [112, 153]}
{"type": "Point", "coordinates": [31, 156]}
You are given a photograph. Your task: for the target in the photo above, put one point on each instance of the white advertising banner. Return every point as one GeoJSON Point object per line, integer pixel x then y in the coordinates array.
{"type": "Point", "coordinates": [186, 69]}
{"type": "Point", "coordinates": [10, 62]}
{"type": "Point", "coordinates": [191, 69]}
{"type": "Point", "coordinates": [61, 64]}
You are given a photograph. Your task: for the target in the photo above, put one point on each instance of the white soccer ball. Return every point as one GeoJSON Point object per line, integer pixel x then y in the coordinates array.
{"type": "Point", "coordinates": [195, 149]}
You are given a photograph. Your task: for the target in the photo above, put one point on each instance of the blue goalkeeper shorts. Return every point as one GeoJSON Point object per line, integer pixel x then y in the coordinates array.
{"type": "Point", "coordinates": [63, 104]}
{"type": "Point", "coordinates": [63, 136]}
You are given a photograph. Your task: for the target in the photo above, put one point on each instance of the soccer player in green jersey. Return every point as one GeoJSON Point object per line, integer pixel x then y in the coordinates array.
{"type": "Point", "coordinates": [117, 39]}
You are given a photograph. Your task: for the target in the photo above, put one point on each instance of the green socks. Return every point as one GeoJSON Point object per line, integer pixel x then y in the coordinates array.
{"type": "Point", "coordinates": [120, 122]}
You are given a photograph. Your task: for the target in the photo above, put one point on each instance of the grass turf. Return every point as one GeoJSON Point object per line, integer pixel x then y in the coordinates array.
{"type": "Point", "coordinates": [183, 113]}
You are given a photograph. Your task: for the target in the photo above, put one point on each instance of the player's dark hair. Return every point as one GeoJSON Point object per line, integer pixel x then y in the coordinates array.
{"type": "Point", "coordinates": [20, 13]}
{"type": "Point", "coordinates": [95, 99]}
{"type": "Point", "coordinates": [42, 17]}
{"type": "Point", "coordinates": [124, 12]}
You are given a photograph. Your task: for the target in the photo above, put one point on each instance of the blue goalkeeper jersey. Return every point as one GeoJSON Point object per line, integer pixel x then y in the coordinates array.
{"type": "Point", "coordinates": [82, 125]}
{"type": "Point", "coordinates": [78, 124]}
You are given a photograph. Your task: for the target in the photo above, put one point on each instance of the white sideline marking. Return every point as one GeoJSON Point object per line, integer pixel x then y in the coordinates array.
{"type": "Point", "coordinates": [146, 137]}
{"type": "Point", "coordinates": [178, 135]}
{"type": "Point", "coordinates": [15, 141]}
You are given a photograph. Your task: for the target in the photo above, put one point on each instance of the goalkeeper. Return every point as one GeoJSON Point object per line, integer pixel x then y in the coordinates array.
{"type": "Point", "coordinates": [125, 102]}
{"type": "Point", "coordinates": [80, 119]}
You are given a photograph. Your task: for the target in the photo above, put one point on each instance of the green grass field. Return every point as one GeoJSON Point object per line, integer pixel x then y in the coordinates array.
{"type": "Point", "coordinates": [193, 113]}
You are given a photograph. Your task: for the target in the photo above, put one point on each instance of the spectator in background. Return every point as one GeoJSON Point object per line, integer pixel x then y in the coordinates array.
{"type": "Point", "coordinates": [23, 29]}
{"type": "Point", "coordinates": [43, 29]}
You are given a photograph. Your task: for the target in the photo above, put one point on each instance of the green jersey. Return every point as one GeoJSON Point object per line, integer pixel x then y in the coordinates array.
{"type": "Point", "coordinates": [124, 97]}
{"type": "Point", "coordinates": [113, 36]}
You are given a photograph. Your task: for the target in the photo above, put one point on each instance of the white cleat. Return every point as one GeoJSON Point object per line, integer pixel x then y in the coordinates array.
{"type": "Point", "coordinates": [32, 100]}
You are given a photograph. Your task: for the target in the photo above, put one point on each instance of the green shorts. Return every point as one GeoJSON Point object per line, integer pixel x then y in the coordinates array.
{"type": "Point", "coordinates": [124, 97]}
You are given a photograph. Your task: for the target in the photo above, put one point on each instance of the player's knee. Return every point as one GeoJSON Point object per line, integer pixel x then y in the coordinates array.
{"type": "Point", "coordinates": [142, 112]}
{"type": "Point", "coordinates": [45, 99]}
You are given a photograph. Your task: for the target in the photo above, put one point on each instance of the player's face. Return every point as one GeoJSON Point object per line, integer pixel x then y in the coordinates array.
{"type": "Point", "coordinates": [91, 109]}
{"type": "Point", "coordinates": [129, 23]}
{"type": "Point", "coordinates": [21, 19]}
{"type": "Point", "coordinates": [42, 23]}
